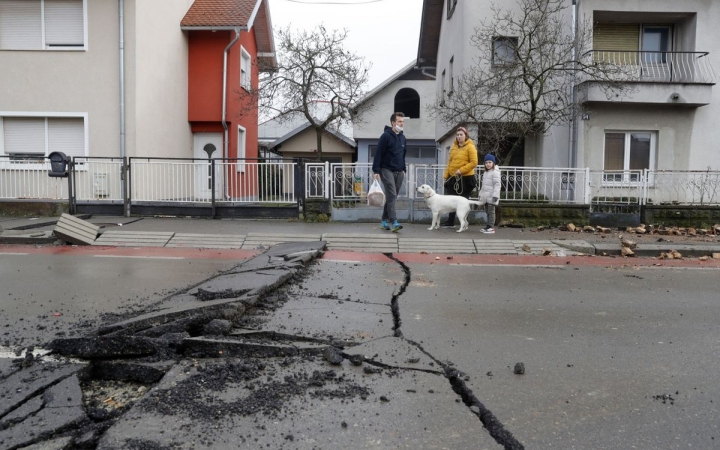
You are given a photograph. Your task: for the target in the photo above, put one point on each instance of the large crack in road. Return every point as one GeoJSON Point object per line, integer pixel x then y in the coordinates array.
{"type": "Point", "coordinates": [491, 423]}
{"type": "Point", "coordinates": [209, 358]}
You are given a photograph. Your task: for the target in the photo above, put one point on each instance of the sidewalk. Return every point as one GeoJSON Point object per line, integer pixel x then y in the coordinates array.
{"type": "Point", "coordinates": [413, 238]}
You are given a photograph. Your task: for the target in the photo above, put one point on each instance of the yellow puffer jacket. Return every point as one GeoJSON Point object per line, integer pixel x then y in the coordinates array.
{"type": "Point", "coordinates": [463, 157]}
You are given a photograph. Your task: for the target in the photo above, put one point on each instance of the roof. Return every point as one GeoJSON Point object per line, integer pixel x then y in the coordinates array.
{"type": "Point", "coordinates": [304, 127]}
{"type": "Point", "coordinates": [236, 14]}
{"type": "Point", "coordinates": [432, 14]}
{"type": "Point", "coordinates": [219, 13]}
{"type": "Point", "coordinates": [386, 83]}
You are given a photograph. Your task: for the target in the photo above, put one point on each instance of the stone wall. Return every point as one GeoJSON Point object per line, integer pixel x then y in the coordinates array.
{"type": "Point", "coordinates": [32, 208]}
{"type": "Point", "coordinates": [317, 210]}
{"type": "Point", "coordinates": [682, 216]}
{"type": "Point", "coordinates": [536, 214]}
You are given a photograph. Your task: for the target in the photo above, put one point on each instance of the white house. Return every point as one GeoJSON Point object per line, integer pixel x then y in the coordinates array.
{"type": "Point", "coordinates": [668, 121]}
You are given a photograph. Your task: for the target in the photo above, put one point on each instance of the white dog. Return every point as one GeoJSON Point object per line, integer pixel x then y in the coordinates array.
{"type": "Point", "coordinates": [441, 204]}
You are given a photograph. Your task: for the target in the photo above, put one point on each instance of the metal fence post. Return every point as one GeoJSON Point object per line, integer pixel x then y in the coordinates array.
{"type": "Point", "coordinates": [587, 186]}
{"type": "Point", "coordinates": [71, 186]}
{"type": "Point", "coordinates": [327, 180]}
{"type": "Point", "coordinates": [126, 185]}
{"type": "Point", "coordinates": [212, 187]}
{"type": "Point", "coordinates": [411, 191]}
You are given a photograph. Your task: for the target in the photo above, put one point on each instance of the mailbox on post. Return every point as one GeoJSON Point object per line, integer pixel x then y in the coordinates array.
{"type": "Point", "coordinates": [58, 164]}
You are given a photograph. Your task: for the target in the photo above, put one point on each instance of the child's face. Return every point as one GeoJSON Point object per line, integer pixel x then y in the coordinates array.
{"type": "Point", "coordinates": [489, 165]}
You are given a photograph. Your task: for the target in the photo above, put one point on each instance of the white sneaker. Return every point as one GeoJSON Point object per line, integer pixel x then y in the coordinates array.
{"type": "Point", "coordinates": [487, 230]}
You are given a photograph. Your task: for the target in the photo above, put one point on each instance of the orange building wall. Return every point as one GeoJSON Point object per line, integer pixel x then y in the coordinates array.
{"type": "Point", "coordinates": [205, 70]}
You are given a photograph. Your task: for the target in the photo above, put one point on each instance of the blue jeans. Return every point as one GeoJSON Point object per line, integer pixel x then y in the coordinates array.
{"type": "Point", "coordinates": [392, 182]}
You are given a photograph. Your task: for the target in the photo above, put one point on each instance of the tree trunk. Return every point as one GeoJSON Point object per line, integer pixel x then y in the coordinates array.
{"type": "Point", "coordinates": [318, 135]}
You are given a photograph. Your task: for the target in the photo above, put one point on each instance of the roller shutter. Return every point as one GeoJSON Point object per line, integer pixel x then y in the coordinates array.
{"type": "Point", "coordinates": [24, 135]}
{"type": "Point", "coordinates": [20, 25]}
{"type": "Point", "coordinates": [66, 135]}
{"type": "Point", "coordinates": [616, 42]}
{"type": "Point", "coordinates": [64, 23]}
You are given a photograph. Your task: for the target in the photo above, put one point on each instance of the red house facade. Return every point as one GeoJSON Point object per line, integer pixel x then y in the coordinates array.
{"type": "Point", "coordinates": [230, 42]}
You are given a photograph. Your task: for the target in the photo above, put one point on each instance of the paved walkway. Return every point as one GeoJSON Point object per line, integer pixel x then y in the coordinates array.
{"type": "Point", "coordinates": [364, 237]}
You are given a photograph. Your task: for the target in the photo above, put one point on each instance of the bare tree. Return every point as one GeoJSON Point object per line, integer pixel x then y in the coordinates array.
{"type": "Point", "coordinates": [522, 81]}
{"type": "Point", "coordinates": [316, 78]}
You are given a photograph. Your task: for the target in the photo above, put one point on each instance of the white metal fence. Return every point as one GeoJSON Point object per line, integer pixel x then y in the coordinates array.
{"type": "Point", "coordinates": [98, 180]}
{"type": "Point", "coordinates": [676, 67]}
{"type": "Point", "coordinates": [231, 182]}
{"type": "Point", "coordinates": [28, 179]}
{"type": "Point", "coordinates": [602, 190]}
{"type": "Point", "coordinates": [219, 181]}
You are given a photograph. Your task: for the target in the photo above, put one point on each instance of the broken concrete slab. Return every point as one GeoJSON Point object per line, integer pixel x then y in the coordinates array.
{"type": "Point", "coordinates": [395, 352]}
{"type": "Point", "coordinates": [340, 406]}
{"type": "Point", "coordinates": [578, 246]}
{"type": "Point", "coordinates": [275, 257]}
{"type": "Point", "coordinates": [103, 347]}
{"type": "Point", "coordinates": [323, 317]}
{"type": "Point", "coordinates": [239, 284]}
{"type": "Point", "coordinates": [62, 409]}
{"type": "Point", "coordinates": [197, 313]}
{"type": "Point", "coordinates": [26, 383]}
{"type": "Point", "coordinates": [130, 370]}
{"type": "Point", "coordinates": [226, 347]}
{"type": "Point", "coordinates": [75, 231]}
{"type": "Point", "coordinates": [62, 443]}
{"type": "Point", "coordinates": [25, 410]}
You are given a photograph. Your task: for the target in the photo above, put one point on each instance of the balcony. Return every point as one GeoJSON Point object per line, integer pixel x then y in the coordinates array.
{"type": "Point", "coordinates": [680, 78]}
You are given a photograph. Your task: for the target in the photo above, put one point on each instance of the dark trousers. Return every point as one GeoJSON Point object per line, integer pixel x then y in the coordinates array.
{"type": "Point", "coordinates": [392, 182]}
{"type": "Point", "coordinates": [462, 187]}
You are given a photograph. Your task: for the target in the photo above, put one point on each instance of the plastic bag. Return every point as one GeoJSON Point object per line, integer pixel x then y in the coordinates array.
{"type": "Point", "coordinates": [376, 196]}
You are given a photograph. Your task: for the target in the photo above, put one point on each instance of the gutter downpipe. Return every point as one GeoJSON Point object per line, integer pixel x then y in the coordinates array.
{"type": "Point", "coordinates": [123, 178]}
{"type": "Point", "coordinates": [224, 94]}
{"type": "Point", "coordinates": [573, 129]}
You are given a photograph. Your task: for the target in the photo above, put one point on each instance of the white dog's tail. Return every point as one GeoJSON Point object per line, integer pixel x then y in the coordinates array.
{"type": "Point", "coordinates": [477, 202]}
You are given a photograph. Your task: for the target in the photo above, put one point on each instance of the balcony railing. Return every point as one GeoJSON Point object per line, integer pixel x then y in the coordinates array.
{"type": "Point", "coordinates": [658, 67]}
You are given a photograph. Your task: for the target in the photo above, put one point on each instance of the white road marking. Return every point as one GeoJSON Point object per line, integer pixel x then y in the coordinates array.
{"type": "Point", "coordinates": [139, 257]}
{"type": "Point", "coordinates": [13, 253]}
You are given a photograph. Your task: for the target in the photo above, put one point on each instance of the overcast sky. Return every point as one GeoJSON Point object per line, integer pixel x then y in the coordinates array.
{"type": "Point", "coordinates": [384, 32]}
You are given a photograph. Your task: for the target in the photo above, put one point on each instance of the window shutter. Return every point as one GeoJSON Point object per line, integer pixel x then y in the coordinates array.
{"type": "Point", "coordinates": [616, 36]}
{"type": "Point", "coordinates": [66, 135]}
{"type": "Point", "coordinates": [64, 23]}
{"type": "Point", "coordinates": [20, 25]}
{"type": "Point", "coordinates": [24, 135]}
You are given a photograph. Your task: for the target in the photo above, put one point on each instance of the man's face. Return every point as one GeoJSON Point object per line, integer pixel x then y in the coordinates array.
{"type": "Point", "coordinates": [399, 121]}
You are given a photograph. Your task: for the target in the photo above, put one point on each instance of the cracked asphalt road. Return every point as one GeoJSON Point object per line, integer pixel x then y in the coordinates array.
{"type": "Point", "coordinates": [615, 357]}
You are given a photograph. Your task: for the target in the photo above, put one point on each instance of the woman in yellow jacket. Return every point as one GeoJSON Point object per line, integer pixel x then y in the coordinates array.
{"type": "Point", "coordinates": [460, 171]}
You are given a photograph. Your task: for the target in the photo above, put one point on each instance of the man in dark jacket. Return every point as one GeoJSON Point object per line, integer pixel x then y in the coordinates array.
{"type": "Point", "coordinates": [389, 168]}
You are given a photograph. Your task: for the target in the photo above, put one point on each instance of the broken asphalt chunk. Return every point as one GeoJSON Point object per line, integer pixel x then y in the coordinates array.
{"type": "Point", "coordinates": [332, 355]}
{"type": "Point", "coordinates": [26, 383]}
{"type": "Point", "coordinates": [131, 370]}
{"type": "Point", "coordinates": [104, 346]}
{"type": "Point", "coordinates": [62, 409]}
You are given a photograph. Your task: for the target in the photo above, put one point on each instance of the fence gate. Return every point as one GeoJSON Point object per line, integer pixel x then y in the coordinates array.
{"type": "Point", "coordinates": [616, 197]}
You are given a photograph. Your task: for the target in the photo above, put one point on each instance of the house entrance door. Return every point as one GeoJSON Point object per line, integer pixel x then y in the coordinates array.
{"type": "Point", "coordinates": [208, 146]}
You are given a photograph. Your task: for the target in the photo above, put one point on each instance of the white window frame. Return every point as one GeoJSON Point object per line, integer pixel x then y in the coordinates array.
{"type": "Point", "coordinates": [497, 62]}
{"type": "Point", "coordinates": [626, 181]}
{"type": "Point", "coordinates": [245, 74]}
{"type": "Point", "coordinates": [44, 47]}
{"type": "Point", "coordinates": [241, 148]}
{"type": "Point", "coordinates": [46, 115]}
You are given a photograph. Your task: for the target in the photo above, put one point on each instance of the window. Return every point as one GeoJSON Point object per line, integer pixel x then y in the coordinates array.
{"type": "Point", "coordinates": [241, 145]}
{"type": "Point", "coordinates": [33, 138]}
{"type": "Point", "coordinates": [43, 25]}
{"type": "Point", "coordinates": [245, 66]}
{"type": "Point", "coordinates": [628, 153]}
{"type": "Point", "coordinates": [452, 84]}
{"type": "Point", "coordinates": [504, 50]}
{"type": "Point", "coordinates": [451, 7]}
{"type": "Point", "coordinates": [407, 101]}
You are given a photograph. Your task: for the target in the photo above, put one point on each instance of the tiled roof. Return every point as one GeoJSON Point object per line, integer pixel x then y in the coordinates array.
{"type": "Point", "coordinates": [218, 13]}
